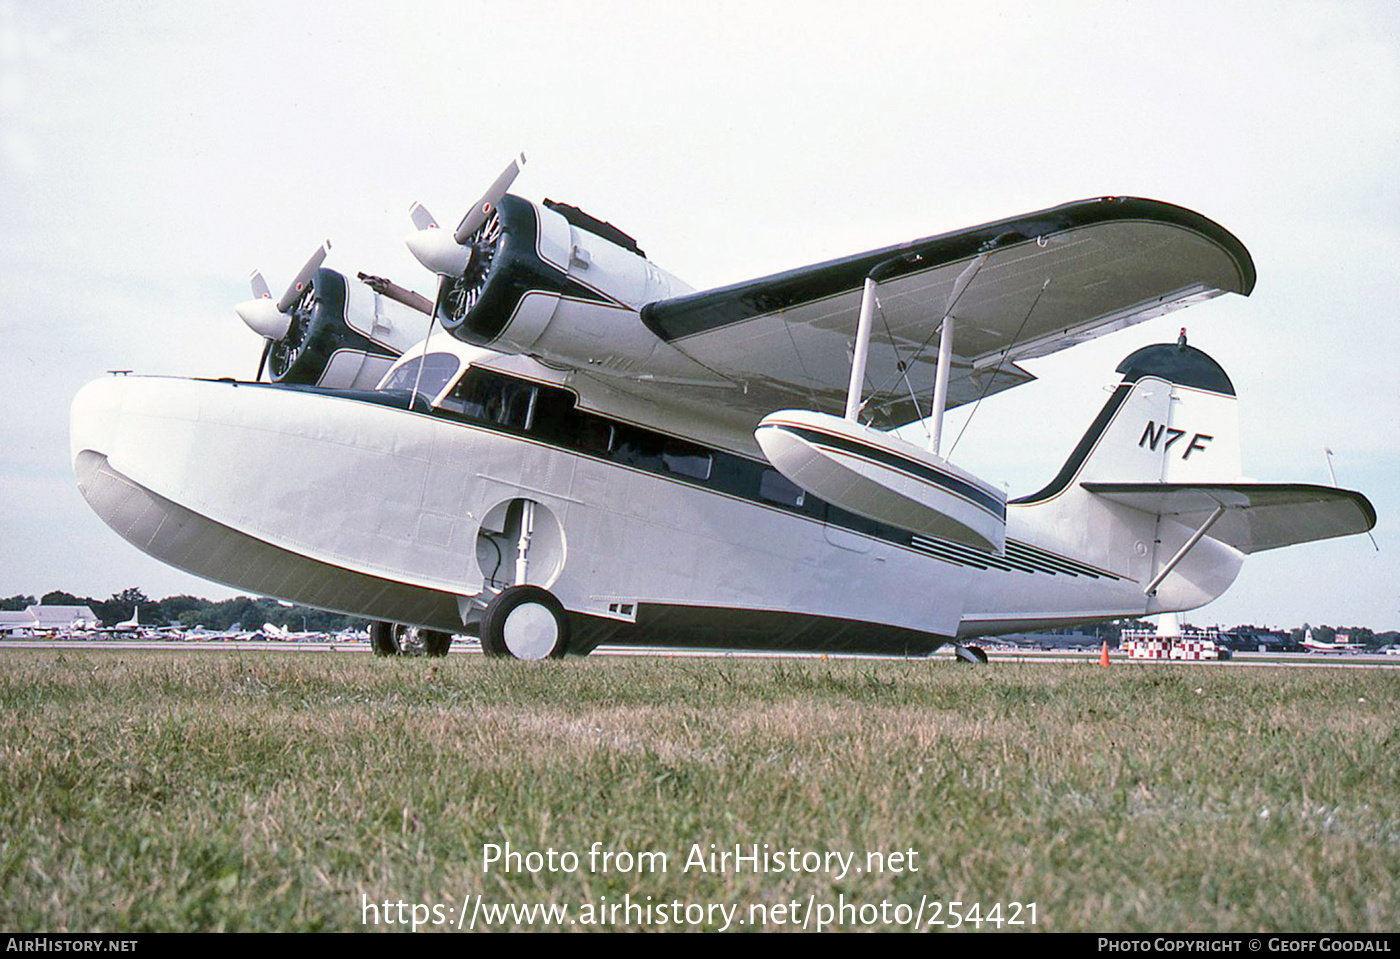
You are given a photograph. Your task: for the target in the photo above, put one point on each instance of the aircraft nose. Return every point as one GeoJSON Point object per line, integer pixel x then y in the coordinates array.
{"type": "Point", "coordinates": [94, 416]}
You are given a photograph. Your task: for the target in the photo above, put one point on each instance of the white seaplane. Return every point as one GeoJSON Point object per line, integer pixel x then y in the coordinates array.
{"type": "Point", "coordinates": [568, 446]}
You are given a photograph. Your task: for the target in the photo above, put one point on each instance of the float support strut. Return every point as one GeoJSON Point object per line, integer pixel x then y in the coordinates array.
{"type": "Point", "coordinates": [940, 384]}
{"type": "Point", "coordinates": [862, 350]}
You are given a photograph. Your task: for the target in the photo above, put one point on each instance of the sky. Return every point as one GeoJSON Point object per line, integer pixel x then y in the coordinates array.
{"type": "Point", "coordinates": [152, 154]}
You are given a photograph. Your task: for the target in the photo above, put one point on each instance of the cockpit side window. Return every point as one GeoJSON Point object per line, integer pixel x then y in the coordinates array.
{"type": "Point", "coordinates": [488, 397]}
{"type": "Point", "coordinates": [428, 373]}
{"type": "Point", "coordinates": [552, 414]}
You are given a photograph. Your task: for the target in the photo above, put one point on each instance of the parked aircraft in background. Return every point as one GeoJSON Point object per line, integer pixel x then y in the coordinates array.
{"type": "Point", "coordinates": [569, 446]}
{"type": "Point", "coordinates": [1340, 643]}
{"type": "Point", "coordinates": [132, 627]}
{"type": "Point", "coordinates": [285, 634]}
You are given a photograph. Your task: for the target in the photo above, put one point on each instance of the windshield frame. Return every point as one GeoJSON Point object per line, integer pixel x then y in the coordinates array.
{"type": "Point", "coordinates": [440, 372]}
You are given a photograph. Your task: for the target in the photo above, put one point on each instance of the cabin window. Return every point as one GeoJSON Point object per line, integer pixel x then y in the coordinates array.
{"type": "Point", "coordinates": [686, 459]}
{"type": "Point", "coordinates": [560, 422]}
{"type": "Point", "coordinates": [662, 454]}
{"type": "Point", "coordinates": [488, 397]}
{"type": "Point", "coordinates": [594, 435]}
{"type": "Point", "coordinates": [777, 488]}
{"type": "Point", "coordinates": [437, 369]}
{"type": "Point", "coordinates": [552, 414]}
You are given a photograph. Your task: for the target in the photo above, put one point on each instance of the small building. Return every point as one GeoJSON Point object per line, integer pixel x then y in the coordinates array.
{"type": "Point", "coordinates": [1251, 638]}
{"type": "Point", "coordinates": [58, 618]}
{"type": "Point", "coordinates": [17, 622]}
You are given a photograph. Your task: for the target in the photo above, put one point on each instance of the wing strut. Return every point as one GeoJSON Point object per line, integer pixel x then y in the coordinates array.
{"type": "Point", "coordinates": [945, 350]}
{"type": "Point", "coordinates": [861, 353]}
{"type": "Point", "coordinates": [862, 349]}
{"type": "Point", "coordinates": [940, 383]}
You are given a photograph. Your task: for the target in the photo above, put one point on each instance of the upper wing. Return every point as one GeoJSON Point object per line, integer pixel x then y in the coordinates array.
{"type": "Point", "coordinates": [1032, 285]}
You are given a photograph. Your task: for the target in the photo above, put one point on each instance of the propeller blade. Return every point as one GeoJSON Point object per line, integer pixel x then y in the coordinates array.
{"type": "Point", "coordinates": [478, 214]}
{"type": "Point", "coordinates": [422, 219]}
{"type": "Point", "coordinates": [303, 278]}
{"type": "Point", "coordinates": [260, 290]}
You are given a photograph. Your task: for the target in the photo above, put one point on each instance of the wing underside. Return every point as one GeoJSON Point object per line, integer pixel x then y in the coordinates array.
{"type": "Point", "coordinates": [1017, 289]}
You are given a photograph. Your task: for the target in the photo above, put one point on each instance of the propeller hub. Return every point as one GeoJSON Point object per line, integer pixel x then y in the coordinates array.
{"type": "Point", "coordinates": [439, 252]}
{"type": "Point", "coordinates": [263, 318]}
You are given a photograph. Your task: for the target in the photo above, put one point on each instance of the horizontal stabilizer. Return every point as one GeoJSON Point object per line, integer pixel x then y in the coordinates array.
{"type": "Point", "coordinates": [1257, 516]}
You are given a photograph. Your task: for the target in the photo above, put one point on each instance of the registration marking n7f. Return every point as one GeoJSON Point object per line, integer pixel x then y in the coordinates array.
{"type": "Point", "coordinates": [1154, 433]}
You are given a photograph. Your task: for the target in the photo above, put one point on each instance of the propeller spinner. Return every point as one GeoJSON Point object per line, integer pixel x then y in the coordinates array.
{"type": "Point", "coordinates": [450, 254]}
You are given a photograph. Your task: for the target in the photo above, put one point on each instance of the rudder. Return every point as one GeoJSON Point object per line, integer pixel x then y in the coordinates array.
{"type": "Point", "coordinates": [1171, 419]}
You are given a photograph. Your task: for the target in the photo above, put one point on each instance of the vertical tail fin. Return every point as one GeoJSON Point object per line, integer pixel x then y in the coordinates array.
{"type": "Point", "coordinates": [1171, 419]}
{"type": "Point", "coordinates": [1152, 493]}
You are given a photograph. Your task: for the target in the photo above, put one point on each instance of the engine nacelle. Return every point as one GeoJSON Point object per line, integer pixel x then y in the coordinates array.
{"type": "Point", "coordinates": [539, 283]}
{"type": "Point", "coordinates": [342, 335]}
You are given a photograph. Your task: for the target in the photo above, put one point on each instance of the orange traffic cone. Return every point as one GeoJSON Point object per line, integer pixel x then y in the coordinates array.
{"type": "Point", "coordinates": [1103, 655]}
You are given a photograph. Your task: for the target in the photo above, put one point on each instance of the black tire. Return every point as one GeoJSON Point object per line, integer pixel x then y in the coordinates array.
{"type": "Point", "coordinates": [381, 639]}
{"type": "Point", "coordinates": [970, 654]}
{"type": "Point", "coordinates": [525, 622]}
{"type": "Point", "coordinates": [435, 642]}
{"type": "Point", "coordinates": [393, 639]}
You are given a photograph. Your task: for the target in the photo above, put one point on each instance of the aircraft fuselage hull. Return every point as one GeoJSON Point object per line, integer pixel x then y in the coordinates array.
{"type": "Point", "coordinates": [406, 515]}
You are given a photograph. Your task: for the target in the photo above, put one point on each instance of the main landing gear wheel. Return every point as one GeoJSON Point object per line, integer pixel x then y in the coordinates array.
{"type": "Point", "coordinates": [392, 639]}
{"type": "Point", "coordinates": [525, 622]}
{"type": "Point", "coordinates": [435, 642]}
{"type": "Point", "coordinates": [381, 639]}
{"type": "Point", "coordinates": [970, 654]}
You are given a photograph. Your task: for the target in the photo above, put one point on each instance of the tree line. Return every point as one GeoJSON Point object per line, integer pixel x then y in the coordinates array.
{"type": "Point", "coordinates": [251, 614]}
{"type": "Point", "coordinates": [190, 611]}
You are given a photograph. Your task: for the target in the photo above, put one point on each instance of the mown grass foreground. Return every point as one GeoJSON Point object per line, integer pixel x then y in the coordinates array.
{"type": "Point", "coordinates": [282, 791]}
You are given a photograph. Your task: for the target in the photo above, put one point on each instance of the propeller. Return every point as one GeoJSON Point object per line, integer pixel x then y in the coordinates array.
{"type": "Point", "coordinates": [478, 214]}
{"type": "Point", "coordinates": [452, 254]}
{"type": "Point", "coordinates": [421, 218]}
{"type": "Point", "coordinates": [271, 319]}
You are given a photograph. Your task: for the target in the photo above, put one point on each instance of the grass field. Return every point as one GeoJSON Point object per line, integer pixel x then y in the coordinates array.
{"type": "Point", "coordinates": [284, 791]}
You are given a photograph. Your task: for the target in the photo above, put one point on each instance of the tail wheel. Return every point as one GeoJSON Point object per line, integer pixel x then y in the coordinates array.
{"type": "Point", "coordinates": [392, 639]}
{"type": "Point", "coordinates": [525, 622]}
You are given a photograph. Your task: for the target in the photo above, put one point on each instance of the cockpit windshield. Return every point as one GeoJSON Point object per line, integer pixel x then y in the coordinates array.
{"type": "Point", "coordinates": [427, 374]}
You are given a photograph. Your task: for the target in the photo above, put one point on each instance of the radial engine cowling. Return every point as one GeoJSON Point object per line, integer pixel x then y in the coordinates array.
{"type": "Point", "coordinates": [535, 282]}
{"type": "Point", "coordinates": [341, 335]}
